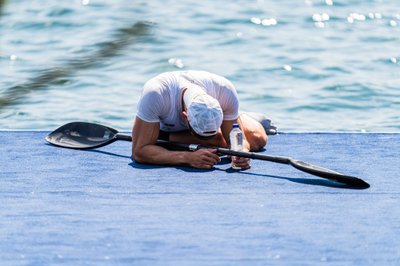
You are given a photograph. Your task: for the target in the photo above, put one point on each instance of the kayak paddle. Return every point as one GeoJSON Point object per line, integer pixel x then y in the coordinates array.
{"type": "Point", "coordinates": [83, 135]}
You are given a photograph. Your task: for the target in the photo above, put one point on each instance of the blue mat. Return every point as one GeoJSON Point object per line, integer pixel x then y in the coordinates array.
{"type": "Point", "coordinates": [71, 207]}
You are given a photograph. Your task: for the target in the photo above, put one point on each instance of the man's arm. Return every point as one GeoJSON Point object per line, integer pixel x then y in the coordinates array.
{"type": "Point", "coordinates": [186, 137]}
{"type": "Point", "coordinates": [145, 150]}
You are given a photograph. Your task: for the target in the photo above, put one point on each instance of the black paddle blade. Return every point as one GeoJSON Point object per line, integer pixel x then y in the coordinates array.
{"type": "Point", "coordinates": [82, 135]}
{"type": "Point", "coordinates": [329, 174]}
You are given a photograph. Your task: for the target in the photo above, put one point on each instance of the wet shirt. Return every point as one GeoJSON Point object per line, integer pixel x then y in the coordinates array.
{"type": "Point", "coordinates": [161, 99]}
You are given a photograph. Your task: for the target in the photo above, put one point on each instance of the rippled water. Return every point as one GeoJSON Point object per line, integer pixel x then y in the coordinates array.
{"type": "Point", "coordinates": [310, 65]}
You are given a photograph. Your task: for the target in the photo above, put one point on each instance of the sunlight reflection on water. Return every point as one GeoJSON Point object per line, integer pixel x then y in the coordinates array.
{"type": "Point", "coordinates": [280, 55]}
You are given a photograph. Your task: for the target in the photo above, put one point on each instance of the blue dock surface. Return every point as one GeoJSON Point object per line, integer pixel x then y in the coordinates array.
{"type": "Point", "coordinates": [98, 207]}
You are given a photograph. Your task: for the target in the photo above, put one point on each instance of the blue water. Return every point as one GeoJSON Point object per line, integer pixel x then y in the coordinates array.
{"type": "Point", "coordinates": [310, 65]}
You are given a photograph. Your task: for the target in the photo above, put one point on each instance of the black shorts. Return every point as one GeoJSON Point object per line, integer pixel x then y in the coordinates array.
{"type": "Point", "coordinates": [163, 135]}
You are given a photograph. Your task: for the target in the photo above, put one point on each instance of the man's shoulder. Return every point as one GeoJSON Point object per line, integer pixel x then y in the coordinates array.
{"type": "Point", "coordinates": [201, 77]}
{"type": "Point", "coordinates": [206, 77]}
{"type": "Point", "coordinates": [165, 75]}
{"type": "Point", "coordinates": [162, 81]}
{"type": "Point", "coordinates": [200, 74]}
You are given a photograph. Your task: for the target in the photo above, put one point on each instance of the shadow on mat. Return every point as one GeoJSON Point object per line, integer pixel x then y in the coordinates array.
{"type": "Point", "coordinates": [102, 152]}
{"type": "Point", "coordinates": [306, 181]}
{"type": "Point", "coordinates": [110, 153]}
{"type": "Point", "coordinates": [224, 161]}
{"type": "Point", "coordinates": [188, 169]}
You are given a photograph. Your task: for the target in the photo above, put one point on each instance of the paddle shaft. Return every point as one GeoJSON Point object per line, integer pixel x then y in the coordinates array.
{"type": "Point", "coordinates": [302, 166]}
{"type": "Point", "coordinates": [120, 136]}
{"type": "Point", "coordinates": [195, 147]}
{"type": "Point", "coordinates": [83, 135]}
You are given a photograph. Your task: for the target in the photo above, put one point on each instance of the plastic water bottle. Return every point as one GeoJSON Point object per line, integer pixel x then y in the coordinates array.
{"type": "Point", "coordinates": [236, 138]}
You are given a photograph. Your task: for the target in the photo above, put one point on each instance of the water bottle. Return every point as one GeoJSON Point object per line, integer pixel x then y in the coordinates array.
{"type": "Point", "coordinates": [236, 138]}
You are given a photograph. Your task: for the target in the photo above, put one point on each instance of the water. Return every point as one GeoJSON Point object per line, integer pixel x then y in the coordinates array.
{"type": "Point", "coordinates": [309, 65]}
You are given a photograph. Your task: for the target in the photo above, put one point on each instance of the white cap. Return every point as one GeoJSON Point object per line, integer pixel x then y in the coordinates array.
{"type": "Point", "coordinates": [204, 112]}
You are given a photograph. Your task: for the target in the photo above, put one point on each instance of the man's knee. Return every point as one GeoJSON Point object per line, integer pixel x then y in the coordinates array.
{"type": "Point", "coordinates": [255, 135]}
{"type": "Point", "coordinates": [254, 132]}
{"type": "Point", "coordinates": [257, 141]}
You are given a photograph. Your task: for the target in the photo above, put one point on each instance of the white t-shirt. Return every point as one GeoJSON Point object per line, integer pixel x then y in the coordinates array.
{"type": "Point", "coordinates": [161, 99]}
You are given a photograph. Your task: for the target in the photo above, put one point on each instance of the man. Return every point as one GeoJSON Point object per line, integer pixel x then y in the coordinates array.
{"type": "Point", "coordinates": [191, 107]}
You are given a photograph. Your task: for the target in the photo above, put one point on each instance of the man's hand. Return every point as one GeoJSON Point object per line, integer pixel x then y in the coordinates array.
{"type": "Point", "coordinates": [203, 158]}
{"type": "Point", "coordinates": [241, 162]}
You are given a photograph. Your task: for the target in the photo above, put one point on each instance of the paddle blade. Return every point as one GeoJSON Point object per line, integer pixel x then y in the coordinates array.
{"type": "Point", "coordinates": [329, 174]}
{"type": "Point", "coordinates": [82, 135]}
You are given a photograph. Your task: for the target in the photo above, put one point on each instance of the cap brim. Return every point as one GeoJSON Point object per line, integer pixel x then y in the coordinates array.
{"type": "Point", "coordinates": [200, 136]}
